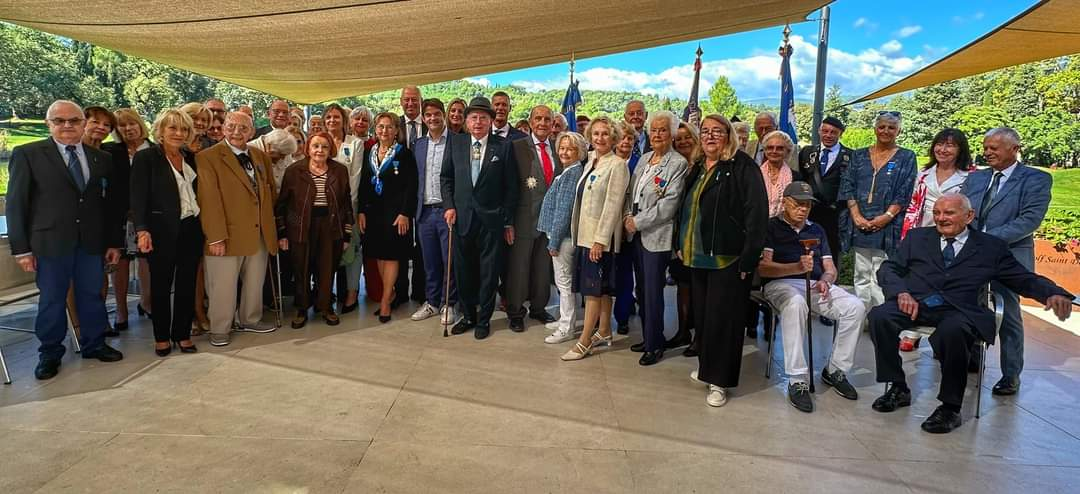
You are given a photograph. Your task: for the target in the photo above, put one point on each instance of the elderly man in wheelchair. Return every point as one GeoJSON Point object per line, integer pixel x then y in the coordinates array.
{"type": "Point", "coordinates": [939, 278]}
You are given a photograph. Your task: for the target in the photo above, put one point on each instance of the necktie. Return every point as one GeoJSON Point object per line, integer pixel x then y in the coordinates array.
{"type": "Point", "coordinates": [988, 198]}
{"type": "Point", "coordinates": [477, 158]}
{"type": "Point", "coordinates": [949, 253]}
{"type": "Point", "coordinates": [824, 160]}
{"type": "Point", "coordinates": [549, 170]}
{"type": "Point", "coordinates": [75, 168]}
{"type": "Point", "coordinates": [249, 168]}
{"type": "Point", "coordinates": [413, 131]}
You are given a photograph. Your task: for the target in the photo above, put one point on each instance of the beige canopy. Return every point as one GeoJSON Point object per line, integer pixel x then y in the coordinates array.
{"type": "Point", "coordinates": [316, 50]}
{"type": "Point", "coordinates": [1049, 29]}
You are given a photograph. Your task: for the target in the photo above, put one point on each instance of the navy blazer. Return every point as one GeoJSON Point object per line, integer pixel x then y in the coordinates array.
{"type": "Point", "coordinates": [494, 198]}
{"type": "Point", "coordinates": [1017, 210]}
{"type": "Point", "coordinates": [47, 214]}
{"type": "Point", "coordinates": [918, 268]}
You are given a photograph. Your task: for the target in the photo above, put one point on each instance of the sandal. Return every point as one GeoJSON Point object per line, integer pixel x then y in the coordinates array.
{"type": "Point", "coordinates": [598, 340]}
{"type": "Point", "coordinates": [582, 352]}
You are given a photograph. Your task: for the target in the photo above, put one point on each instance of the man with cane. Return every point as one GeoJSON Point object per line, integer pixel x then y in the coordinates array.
{"type": "Point", "coordinates": [796, 250]}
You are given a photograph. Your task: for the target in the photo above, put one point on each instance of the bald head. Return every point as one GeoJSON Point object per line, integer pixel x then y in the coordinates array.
{"type": "Point", "coordinates": [66, 122]}
{"type": "Point", "coordinates": [952, 214]}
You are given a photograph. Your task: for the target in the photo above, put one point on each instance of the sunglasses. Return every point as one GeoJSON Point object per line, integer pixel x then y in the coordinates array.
{"type": "Point", "coordinates": [893, 113]}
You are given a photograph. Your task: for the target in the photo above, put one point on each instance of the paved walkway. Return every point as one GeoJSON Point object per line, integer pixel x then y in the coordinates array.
{"type": "Point", "coordinates": [365, 407]}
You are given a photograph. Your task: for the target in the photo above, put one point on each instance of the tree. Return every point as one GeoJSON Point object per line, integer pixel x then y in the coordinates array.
{"type": "Point", "coordinates": [975, 120]}
{"type": "Point", "coordinates": [37, 70]}
{"type": "Point", "coordinates": [834, 105]}
{"type": "Point", "coordinates": [1061, 88]}
{"type": "Point", "coordinates": [927, 112]}
{"type": "Point", "coordinates": [722, 99]}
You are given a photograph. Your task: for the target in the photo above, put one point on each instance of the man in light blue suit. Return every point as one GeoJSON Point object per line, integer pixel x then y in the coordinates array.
{"type": "Point", "coordinates": [1010, 201]}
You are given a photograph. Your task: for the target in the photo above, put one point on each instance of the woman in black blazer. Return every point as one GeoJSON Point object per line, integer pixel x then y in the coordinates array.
{"type": "Point", "coordinates": [166, 217]}
{"type": "Point", "coordinates": [387, 199]}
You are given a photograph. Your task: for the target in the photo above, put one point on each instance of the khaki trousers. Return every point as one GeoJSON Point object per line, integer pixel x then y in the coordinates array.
{"type": "Point", "coordinates": [222, 274]}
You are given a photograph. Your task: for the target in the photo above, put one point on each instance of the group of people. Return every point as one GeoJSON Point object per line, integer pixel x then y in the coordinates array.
{"type": "Point", "coordinates": [613, 213]}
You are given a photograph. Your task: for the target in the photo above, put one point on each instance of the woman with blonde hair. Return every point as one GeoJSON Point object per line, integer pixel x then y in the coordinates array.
{"type": "Point", "coordinates": [131, 136]}
{"type": "Point", "coordinates": [201, 118]}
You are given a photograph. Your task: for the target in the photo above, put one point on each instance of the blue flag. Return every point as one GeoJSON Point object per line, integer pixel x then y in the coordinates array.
{"type": "Point", "coordinates": [569, 105]}
{"type": "Point", "coordinates": [787, 98]}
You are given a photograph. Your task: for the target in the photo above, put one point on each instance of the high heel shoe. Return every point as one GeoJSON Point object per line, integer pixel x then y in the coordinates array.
{"type": "Point", "coordinates": [142, 312]}
{"type": "Point", "coordinates": [163, 352]}
{"type": "Point", "coordinates": [598, 340]}
{"type": "Point", "coordinates": [582, 352]}
{"type": "Point", "coordinates": [345, 309]}
{"type": "Point", "coordinates": [120, 326]}
{"type": "Point", "coordinates": [384, 319]}
{"type": "Point", "coordinates": [187, 349]}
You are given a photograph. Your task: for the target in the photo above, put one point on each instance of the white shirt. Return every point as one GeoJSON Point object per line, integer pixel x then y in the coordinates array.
{"type": "Point", "coordinates": [834, 151]}
{"type": "Point", "coordinates": [934, 190]}
{"type": "Point", "coordinates": [547, 146]}
{"type": "Point", "coordinates": [409, 129]}
{"type": "Point", "coordinates": [236, 150]}
{"type": "Point", "coordinates": [432, 170]}
{"type": "Point", "coordinates": [81, 153]}
{"type": "Point", "coordinates": [1005, 174]}
{"type": "Point", "coordinates": [503, 131]}
{"type": "Point", "coordinates": [483, 147]}
{"type": "Point", "coordinates": [188, 205]}
{"type": "Point", "coordinates": [958, 244]}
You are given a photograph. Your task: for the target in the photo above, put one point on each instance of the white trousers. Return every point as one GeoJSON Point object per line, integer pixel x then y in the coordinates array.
{"type": "Point", "coordinates": [789, 297]}
{"type": "Point", "coordinates": [564, 277]}
{"type": "Point", "coordinates": [867, 263]}
{"type": "Point", "coordinates": [222, 274]}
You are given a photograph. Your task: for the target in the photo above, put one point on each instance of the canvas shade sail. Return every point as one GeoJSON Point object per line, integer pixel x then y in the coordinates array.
{"type": "Point", "coordinates": [317, 50]}
{"type": "Point", "coordinates": [1048, 29]}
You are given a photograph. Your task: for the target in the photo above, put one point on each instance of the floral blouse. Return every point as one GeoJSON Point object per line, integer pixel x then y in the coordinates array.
{"type": "Point", "coordinates": [875, 192]}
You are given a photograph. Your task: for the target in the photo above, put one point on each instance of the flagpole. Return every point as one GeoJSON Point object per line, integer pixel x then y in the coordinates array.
{"type": "Point", "coordinates": [819, 88]}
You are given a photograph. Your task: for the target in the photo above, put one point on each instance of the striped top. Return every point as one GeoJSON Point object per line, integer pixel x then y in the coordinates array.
{"type": "Point", "coordinates": [320, 189]}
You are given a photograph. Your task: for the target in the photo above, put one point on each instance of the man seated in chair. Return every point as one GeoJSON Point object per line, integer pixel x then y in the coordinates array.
{"type": "Point", "coordinates": [784, 265]}
{"type": "Point", "coordinates": [939, 277]}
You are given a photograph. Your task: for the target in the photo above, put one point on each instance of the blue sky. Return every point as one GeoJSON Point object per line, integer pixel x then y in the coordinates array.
{"type": "Point", "coordinates": [872, 43]}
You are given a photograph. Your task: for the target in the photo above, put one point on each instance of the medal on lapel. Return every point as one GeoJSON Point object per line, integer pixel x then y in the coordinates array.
{"type": "Point", "coordinates": [592, 178]}
{"type": "Point", "coordinates": [386, 163]}
{"type": "Point", "coordinates": [660, 186]}
{"type": "Point", "coordinates": [889, 167]}
{"type": "Point", "coordinates": [531, 182]}
{"type": "Point", "coordinates": [347, 151]}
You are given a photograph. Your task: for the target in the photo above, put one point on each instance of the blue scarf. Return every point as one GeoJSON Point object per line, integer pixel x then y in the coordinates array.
{"type": "Point", "coordinates": [387, 163]}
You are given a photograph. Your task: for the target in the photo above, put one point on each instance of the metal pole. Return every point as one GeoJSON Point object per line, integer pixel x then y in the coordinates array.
{"type": "Point", "coordinates": [819, 85]}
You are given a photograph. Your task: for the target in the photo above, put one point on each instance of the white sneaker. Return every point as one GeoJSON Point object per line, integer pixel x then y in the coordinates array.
{"type": "Point", "coordinates": [552, 326]}
{"type": "Point", "coordinates": [559, 337]}
{"type": "Point", "coordinates": [257, 327]}
{"type": "Point", "coordinates": [449, 316]}
{"type": "Point", "coordinates": [693, 377]}
{"type": "Point", "coordinates": [716, 397]}
{"type": "Point", "coordinates": [424, 312]}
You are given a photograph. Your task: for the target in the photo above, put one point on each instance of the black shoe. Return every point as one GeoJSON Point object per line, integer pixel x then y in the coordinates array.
{"type": "Point", "coordinates": [542, 316]}
{"type": "Point", "coordinates": [300, 320]}
{"type": "Point", "coordinates": [187, 349]}
{"type": "Point", "coordinates": [975, 358]}
{"type": "Point", "coordinates": [798, 394]}
{"type": "Point", "coordinates": [121, 326]}
{"type": "Point", "coordinates": [892, 399]}
{"type": "Point", "coordinates": [691, 351]}
{"type": "Point", "coordinates": [47, 368]}
{"type": "Point", "coordinates": [163, 352]}
{"type": "Point", "coordinates": [105, 354]}
{"type": "Point", "coordinates": [650, 358]}
{"type": "Point", "coordinates": [942, 421]}
{"type": "Point", "coordinates": [838, 381]}
{"type": "Point", "coordinates": [517, 324]}
{"type": "Point", "coordinates": [482, 331]}
{"type": "Point", "coordinates": [332, 319]}
{"type": "Point", "coordinates": [345, 309]}
{"type": "Point", "coordinates": [384, 319]}
{"type": "Point", "coordinates": [142, 312]}
{"type": "Point", "coordinates": [677, 342]}
{"type": "Point", "coordinates": [1007, 386]}
{"type": "Point", "coordinates": [462, 326]}
{"type": "Point", "coordinates": [638, 347]}
{"type": "Point", "coordinates": [623, 329]}
{"type": "Point", "coordinates": [751, 332]}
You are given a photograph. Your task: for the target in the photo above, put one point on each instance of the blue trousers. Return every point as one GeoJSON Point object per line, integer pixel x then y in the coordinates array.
{"type": "Point", "coordinates": [650, 268]}
{"type": "Point", "coordinates": [1011, 334]}
{"type": "Point", "coordinates": [624, 283]}
{"type": "Point", "coordinates": [54, 275]}
{"type": "Point", "coordinates": [432, 233]}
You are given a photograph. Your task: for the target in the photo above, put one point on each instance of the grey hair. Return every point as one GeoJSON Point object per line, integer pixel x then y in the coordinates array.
{"type": "Point", "coordinates": [673, 121]}
{"type": "Point", "coordinates": [786, 139]}
{"type": "Point", "coordinates": [628, 103]}
{"type": "Point", "coordinates": [60, 102]}
{"type": "Point", "coordinates": [1006, 133]}
{"type": "Point", "coordinates": [562, 118]}
{"type": "Point", "coordinates": [887, 117]}
{"type": "Point", "coordinates": [616, 132]}
{"type": "Point", "coordinates": [965, 202]}
{"type": "Point", "coordinates": [250, 120]}
{"type": "Point", "coordinates": [280, 140]}
{"type": "Point", "coordinates": [577, 140]}
{"type": "Point", "coordinates": [743, 126]}
{"type": "Point", "coordinates": [771, 115]}
{"type": "Point", "coordinates": [360, 109]}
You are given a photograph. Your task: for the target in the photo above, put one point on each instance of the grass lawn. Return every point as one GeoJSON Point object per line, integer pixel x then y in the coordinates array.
{"type": "Point", "coordinates": [19, 132]}
{"type": "Point", "coordinates": [1066, 190]}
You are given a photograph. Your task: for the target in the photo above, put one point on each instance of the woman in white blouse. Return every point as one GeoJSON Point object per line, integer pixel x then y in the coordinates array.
{"type": "Point", "coordinates": [950, 161]}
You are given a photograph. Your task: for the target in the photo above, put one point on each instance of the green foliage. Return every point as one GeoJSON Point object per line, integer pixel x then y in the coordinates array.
{"type": "Point", "coordinates": [722, 99]}
{"type": "Point", "coordinates": [856, 138]}
{"type": "Point", "coordinates": [975, 120]}
{"type": "Point", "coordinates": [1060, 226]}
{"type": "Point", "coordinates": [1065, 193]}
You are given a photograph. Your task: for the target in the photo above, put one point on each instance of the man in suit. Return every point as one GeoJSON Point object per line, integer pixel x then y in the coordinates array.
{"type": "Point", "coordinates": [479, 181]}
{"type": "Point", "coordinates": [822, 167]}
{"type": "Point", "coordinates": [764, 123]}
{"type": "Point", "coordinates": [501, 127]}
{"type": "Point", "coordinates": [63, 216]}
{"type": "Point", "coordinates": [236, 200]}
{"type": "Point", "coordinates": [937, 279]}
{"type": "Point", "coordinates": [635, 115]}
{"type": "Point", "coordinates": [528, 274]}
{"type": "Point", "coordinates": [432, 230]}
{"type": "Point", "coordinates": [278, 113]}
{"type": "Point", "coordinates": [1010, 201]}
{"type": "Point", "coordinates": [411, 127]}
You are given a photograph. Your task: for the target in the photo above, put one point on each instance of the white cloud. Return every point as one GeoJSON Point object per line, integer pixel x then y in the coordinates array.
{"type": "Point", "coordinates": [892, 46]}
{"type": "Point", "coordinates": [757, 76]}
{"type": "Point", "coordinates": [860, 22]}
{"type": "Point", "coordinates": [964, 19]}
{"type": "Point", "coordinates": [908, 31]}
{"type": "Point", "coordinates": [865, 24]}
{"type": "Point", "coordinates": [483, 81]}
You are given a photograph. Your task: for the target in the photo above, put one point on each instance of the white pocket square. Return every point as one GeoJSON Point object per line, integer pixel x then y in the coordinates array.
{"type": "Point", "coordinates": [494, 159]}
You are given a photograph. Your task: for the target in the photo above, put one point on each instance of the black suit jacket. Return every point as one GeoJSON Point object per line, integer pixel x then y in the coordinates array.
{"type": "Point", "coordinates": [46, 213]}
{"type": "Point", "coordinates": [155, 198]}
{"type": "Point", "coordinates": [918, 268]}
{"type": "Point", "coordinates": [530, 199]}
{"type": "Point", "coordinates": [494, 198]}
{"type": "Point", "coordinates": [403, 131]}
{"type": "Point", "coordinates": [827, 187]}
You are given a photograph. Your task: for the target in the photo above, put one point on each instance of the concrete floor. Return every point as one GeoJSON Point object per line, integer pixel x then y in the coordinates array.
{"type": "Point", "coordinates": [365, 407]}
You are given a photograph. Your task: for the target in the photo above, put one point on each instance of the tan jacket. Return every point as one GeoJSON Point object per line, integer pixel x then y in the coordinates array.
{"type": "Point", "coordinates": [598, 215]}
{"type": "Point", "coordinates": [229, 208]}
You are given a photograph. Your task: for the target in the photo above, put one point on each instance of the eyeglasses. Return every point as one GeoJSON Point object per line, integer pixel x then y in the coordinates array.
{"type": "Point", "coordinates": [660, 130]}
{"type": "Point", "coordinates": [714, 132]}
{"type": "Point", "coordinates": [892, 113]}
{"type": "Point", "coordinates": [61, 122]}
{"type": "Point", "coordinates": [241, 128]}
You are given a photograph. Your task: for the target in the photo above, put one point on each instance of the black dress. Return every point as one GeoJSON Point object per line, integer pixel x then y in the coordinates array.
{"type": "Point", "coordinates": [384, 195]}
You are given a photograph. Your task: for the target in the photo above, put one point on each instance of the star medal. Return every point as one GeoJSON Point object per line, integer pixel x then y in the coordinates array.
{"type": "Point", "coordinates": [889, 167]}
{"type": "Point", "coordinates": [348, 154]}
{"type": "Point", "coordinates": [660, 186]}
{"type": "Point", "coordinates": [530, 182]}
{"type": "Point", "coordinates": [396, 165]}
{"type": "Point", "coordinates": [592, 178]}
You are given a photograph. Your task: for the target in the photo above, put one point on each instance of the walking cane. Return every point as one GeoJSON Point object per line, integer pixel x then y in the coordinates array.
{"type": "Point", "coordinates": [275, 291]}
{"type": "Point", "coordinates": [808, 244]}
{"type": "Point", "coordinates": [446, 285]}
{"type": "Point", "coordinates": [280, 290]}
